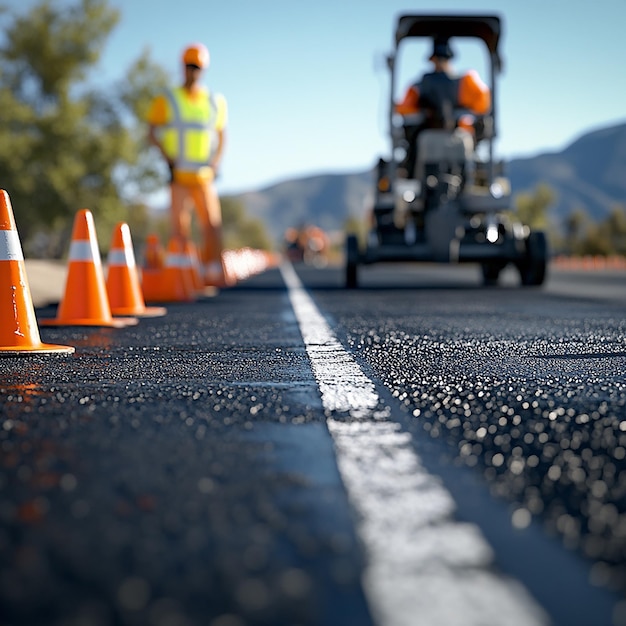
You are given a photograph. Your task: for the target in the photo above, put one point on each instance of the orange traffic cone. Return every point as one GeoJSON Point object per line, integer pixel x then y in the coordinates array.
{"type": "Point", "coordinates": [122, 283]}
{"type": "Point", "coordinates": [154, 256]}
{"type": "Point", "coordinates": [19, 333]}
{"type": "Point", "coordinates": [85, 302]}
{"type": "Point", "coordinates": [152, 270]}
{"type": "Point", "coordinates": [175, 284]}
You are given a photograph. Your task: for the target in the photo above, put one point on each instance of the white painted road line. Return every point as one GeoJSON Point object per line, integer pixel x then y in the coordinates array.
{"type": "Point", "coordinates": [423, 566]}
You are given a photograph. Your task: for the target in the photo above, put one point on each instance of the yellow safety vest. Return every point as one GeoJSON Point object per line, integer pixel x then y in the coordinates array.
{"type": "Point", "coordinates": [187, 136]}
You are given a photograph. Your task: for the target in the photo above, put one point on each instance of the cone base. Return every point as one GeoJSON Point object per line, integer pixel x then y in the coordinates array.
{"type": "Point", "coordinates": [209, 291]}
{"type": "Point", "coordinates": [43, 348]}
{"type": "Point", "coordinates": [218, 283]}
{"type": "Point", "coordinates": [148, 311]}
{"type": "Point", "coordinates": [117, 322]}
{"type": "Point", "coordinates": [171, 299]}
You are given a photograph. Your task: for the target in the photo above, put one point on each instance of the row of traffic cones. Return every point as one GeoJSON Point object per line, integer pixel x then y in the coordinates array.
{"type": "Point", "coordinates": [174, 275]}
{"type": "Point", "coordinates": [88, 300]}
{"type": "Point", "coordinates": [177, 274]}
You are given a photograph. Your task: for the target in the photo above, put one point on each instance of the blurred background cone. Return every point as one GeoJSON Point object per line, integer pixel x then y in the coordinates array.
{"type": "Point", "coordinates": [152, 269]}
{"type": "Point", "coordinates": [122, 283]}
{"type": "Point", "coordinates": [176, 281]}
{"type": "Point", "coordinates": [19, 333]}
{"type": "Point", "coordinates": [85, 301]}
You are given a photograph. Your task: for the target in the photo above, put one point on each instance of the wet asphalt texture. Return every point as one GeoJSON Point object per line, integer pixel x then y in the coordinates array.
{"type": "Point", "coordinates": [180, 472]}
{"type": "Point", "coordinates": [525, 387]}
{"type": "Point", "coordinates": [174, 473]}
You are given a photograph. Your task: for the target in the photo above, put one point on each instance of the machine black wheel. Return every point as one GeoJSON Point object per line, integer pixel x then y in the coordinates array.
{"type": "Point", "coordinates": [352, 261]}
{"type": "Point", "coordinates": [491, 272]}
{"type": "Point", "coordinates": [533, 268]}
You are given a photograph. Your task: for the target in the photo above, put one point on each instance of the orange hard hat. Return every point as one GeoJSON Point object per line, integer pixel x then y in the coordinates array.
{"type": "Point", "coordinates": [196, 54]}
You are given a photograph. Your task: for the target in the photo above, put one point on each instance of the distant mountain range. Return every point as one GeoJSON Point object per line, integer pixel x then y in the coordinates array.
{"type": "Point", "coordinates": [590, 173]}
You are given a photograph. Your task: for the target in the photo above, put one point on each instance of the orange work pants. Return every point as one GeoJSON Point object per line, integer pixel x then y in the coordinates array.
{"type": "Point", "coordinates": [205, 200]}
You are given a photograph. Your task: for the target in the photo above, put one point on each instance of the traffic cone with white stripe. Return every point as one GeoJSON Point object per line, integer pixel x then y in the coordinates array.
{"type": "Point", "coordinates": [176, 283]}
{"type": "Point", "coordinates": [85, 301]}
{"type": "Point", "coordinates": [122, 283]}
{"type": "Point", "coordinates": [19, 333]}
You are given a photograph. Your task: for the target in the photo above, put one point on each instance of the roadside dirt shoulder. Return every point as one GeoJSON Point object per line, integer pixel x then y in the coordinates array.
{"type": "Point", "coordinates": [46, 280]}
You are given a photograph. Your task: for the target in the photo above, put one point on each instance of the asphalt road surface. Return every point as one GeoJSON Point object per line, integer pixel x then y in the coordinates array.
{"type": "Point", "coordinates": [420, 451]}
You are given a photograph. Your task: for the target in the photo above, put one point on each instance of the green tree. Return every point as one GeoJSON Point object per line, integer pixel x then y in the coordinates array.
{"type": "Point", "coordinates": [583, 236]}
{"type": "Point", "coordinates": [532, 208]}
{"type": "Point", "coordinates": [614, 229]}
{"type": "Point", "coordinates": [577, 225]}
{"type": "Point", "coordinates": [357, 226]}
{"type": "Point", "coordinates": [64, 144]}
{"type": "Point", "coordinates": [596, 242]}
{"type": "Point", "coordinates": [143, 80]}
{"type": "Point", "coordinates": [241, 230]}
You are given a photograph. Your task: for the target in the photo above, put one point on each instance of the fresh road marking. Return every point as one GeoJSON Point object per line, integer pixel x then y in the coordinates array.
{"type": "Point", "coordinates": [423, 566]}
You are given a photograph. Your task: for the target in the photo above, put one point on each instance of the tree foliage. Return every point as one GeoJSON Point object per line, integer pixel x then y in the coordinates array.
{"type": "Point", "coordinates": [357, 226]}
{"type": "Point", "coordinates": [141, 83]}
{"type": "Point", "coordinates": [579, 234]}
{"type": "Point", "coordinates": [604, 237]}
{"type": "Point", "coordinates": [577, 224]}
{"type": "Point", "coordinates": [531, 208]}
{"type": "Point", "coordinates": [241, 230]}
{"type": "Point", "coordinates": [65, 144]}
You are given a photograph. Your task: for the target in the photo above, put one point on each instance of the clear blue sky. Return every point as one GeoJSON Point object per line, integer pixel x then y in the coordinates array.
{"type": "Point", "coordinates": [308, 92]}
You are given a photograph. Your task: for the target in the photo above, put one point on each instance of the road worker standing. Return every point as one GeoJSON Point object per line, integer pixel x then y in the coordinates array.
{"type": "Point", "coordinates": [187, 124]}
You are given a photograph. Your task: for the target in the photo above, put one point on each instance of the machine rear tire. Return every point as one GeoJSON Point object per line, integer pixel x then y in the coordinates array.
{"type": "Point", "coordinates": [533, 269]}
{"type": "Point", "coordinates": [491, 273]}
{"type": "Point", "coordinates": [352, 262]}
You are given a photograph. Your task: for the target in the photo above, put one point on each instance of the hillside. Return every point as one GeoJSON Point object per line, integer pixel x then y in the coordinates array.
{"type": "Point", "coordinates": [325, 200]}
{"type": "Point", "coordinates": [589, 173]}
